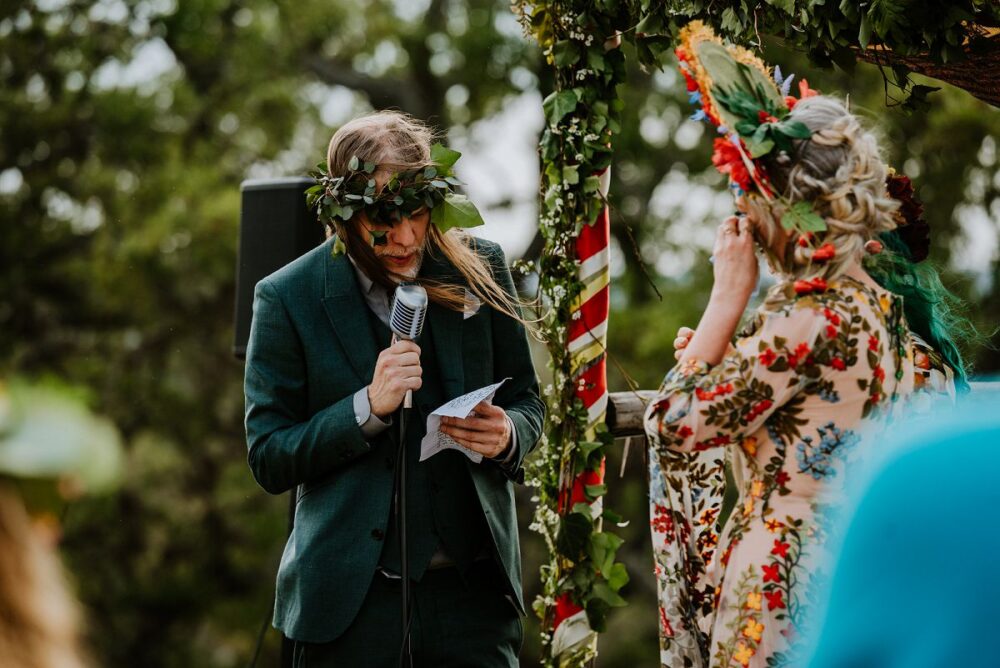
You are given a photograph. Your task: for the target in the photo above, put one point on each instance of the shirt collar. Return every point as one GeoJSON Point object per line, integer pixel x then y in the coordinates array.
{"type": "Point", "coordinates": [366, 283]}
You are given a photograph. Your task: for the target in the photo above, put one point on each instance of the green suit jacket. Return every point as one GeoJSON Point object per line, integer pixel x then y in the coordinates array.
{"type": "Point", "coordinates": [311, 348]}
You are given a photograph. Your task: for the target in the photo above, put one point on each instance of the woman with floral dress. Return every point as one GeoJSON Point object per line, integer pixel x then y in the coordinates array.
{"type": "Point", "coordinates": [799, 396]}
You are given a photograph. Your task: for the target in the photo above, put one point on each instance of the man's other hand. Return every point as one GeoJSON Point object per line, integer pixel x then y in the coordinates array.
{"type": "Point", "coordinates": [486, 430]}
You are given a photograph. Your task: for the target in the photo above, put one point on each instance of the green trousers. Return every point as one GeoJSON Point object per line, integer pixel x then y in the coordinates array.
{"type": "Point", "coordinates": [458, 620]}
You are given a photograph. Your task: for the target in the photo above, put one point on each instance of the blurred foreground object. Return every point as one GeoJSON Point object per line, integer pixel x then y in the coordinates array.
{"type": "Point", "coordinates": [916, 577]}
{"type": "Point", "coordinates": [51, 451]}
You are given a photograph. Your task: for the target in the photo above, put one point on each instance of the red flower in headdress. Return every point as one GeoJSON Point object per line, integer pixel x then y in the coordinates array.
{"type": "Point", "coordinates": [727, 159]}
{"type": "Point", "coordinates": [913, 230]}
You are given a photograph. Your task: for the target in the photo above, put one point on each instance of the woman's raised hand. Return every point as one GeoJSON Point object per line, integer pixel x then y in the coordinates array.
{"type": "Point", "coordinates": [684, 335]}
{"type": "Point", "coordinates": [735, 263]}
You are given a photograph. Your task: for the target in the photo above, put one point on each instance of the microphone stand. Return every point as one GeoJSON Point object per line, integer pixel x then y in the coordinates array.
{"type": "Point", "coordinates": [405, 650]}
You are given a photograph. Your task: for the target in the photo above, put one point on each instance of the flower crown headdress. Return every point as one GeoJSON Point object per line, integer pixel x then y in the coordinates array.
{"type": "Point", "coordinates": [337, 199]}
{"type": "Point", "coordinates": [735, 91]}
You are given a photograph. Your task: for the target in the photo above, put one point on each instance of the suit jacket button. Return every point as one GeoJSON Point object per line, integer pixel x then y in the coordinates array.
{"type": "Point", "coordinates": [377, 534]}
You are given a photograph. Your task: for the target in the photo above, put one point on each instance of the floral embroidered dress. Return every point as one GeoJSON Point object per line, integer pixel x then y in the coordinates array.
{"type": "Point", "coordinates": [788, 407]}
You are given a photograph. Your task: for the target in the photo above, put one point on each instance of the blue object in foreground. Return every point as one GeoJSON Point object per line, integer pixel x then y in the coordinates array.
{"type": "Point", "coordinates": [917, 583]}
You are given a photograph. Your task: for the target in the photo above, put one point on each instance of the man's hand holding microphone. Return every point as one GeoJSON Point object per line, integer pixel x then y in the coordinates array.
{"type": "Point", "coordinates": [396, 371]}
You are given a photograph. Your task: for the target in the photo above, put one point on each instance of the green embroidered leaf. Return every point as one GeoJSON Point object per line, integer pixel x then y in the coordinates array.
{"type": "Point", "coordinates": [455, 211]}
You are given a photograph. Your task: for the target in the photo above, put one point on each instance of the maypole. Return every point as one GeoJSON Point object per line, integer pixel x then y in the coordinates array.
{"type": "Point", "coordinates": [581, 580]}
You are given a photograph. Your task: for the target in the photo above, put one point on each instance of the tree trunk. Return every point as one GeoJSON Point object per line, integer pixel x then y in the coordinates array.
{"type": "Point", "coordinates": [978, 74]}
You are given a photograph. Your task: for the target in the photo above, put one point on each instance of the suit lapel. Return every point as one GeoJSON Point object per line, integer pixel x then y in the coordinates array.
{"type": "Point", "coordinates": [348, 315]}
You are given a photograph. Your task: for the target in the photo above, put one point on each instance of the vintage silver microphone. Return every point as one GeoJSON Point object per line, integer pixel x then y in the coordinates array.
{"type": "Point", "coordinates": [406, 320]}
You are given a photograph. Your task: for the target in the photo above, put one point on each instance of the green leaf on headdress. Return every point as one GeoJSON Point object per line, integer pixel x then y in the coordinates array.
{"type": "Point", "coordinates": [794, 129]}
{"type": "Point", "coordinates": [444, 157]}
{"type": "Point", "coordinates": [800, 216]}
{"type": "Point", "coordinates": [455, 211]}
{"type": "Point", "coordinates": [730, 76]}
{"type": "Point", "coordinates": [378, 237]}
{"type": "Point", "coordinates": [354, 163]}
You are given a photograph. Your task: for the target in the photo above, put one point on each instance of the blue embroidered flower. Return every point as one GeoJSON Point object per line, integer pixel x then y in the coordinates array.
{"type": "Point", "coordinates": [818, 461]}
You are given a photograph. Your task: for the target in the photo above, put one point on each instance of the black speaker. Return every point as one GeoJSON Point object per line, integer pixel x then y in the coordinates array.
{"type": "Point", "coordinates": [275, 228]}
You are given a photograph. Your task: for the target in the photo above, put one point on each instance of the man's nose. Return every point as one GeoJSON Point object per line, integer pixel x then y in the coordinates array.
{"type": "Point", "coordinates": [402, 233]}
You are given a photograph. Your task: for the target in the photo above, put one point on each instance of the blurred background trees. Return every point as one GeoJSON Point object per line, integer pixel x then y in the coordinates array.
{"type": "Point", "coordinates": [126, 129]}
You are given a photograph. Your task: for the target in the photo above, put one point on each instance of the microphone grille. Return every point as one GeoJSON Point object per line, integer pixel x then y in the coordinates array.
{"type": "Point", "coordinates": [409, 308]}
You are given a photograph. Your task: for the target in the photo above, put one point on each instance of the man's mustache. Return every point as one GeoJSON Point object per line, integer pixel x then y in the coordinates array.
{"type": "Point", "coordinates": [395, 253]}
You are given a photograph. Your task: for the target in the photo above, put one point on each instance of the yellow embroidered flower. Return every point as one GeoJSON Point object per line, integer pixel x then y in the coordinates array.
{"type": "Point", "coordinates": [749, 445]}
{"type": "Point", "coordinates": [748, 507]}
{"type": "Point", "coordinates": [774, 526]}
{"type": "Point", "coordinates": [753, 600]}
{"type": "Point", "coordinates": [753, 630]}
{"type": "Point", "coordinates": [885, 303]}
{"type": "Point", "coordinates": [743, 654]}
{"type": "Point", "coordinates": [757, 489]}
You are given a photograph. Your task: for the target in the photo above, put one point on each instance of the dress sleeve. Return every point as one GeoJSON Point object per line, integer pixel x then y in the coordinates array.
{"type": "Point", "coordinates": [699, 407]}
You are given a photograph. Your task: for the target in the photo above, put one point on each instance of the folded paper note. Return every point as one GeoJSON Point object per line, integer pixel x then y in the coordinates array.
{"type": "Point", "coordinates": [460, 407]}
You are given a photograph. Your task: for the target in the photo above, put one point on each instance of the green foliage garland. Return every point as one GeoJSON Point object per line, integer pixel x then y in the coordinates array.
{"type": "Point", "coordinates": [581, 40]}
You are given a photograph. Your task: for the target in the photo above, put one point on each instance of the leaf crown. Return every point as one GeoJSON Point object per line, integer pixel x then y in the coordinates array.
{"type": "Point", "coordinates": [337, 199]}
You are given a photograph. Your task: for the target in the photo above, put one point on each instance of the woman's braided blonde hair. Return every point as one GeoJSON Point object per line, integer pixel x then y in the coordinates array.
{"type": "Point", "coordinates": [841, 173]}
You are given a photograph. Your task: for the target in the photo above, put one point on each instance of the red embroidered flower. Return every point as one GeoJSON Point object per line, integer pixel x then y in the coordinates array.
{"type": "Point", "coordinates": [703, 395]}
{"type": "Point", "coordinates": [685, 431]}
{"type": "Point", "coordinates": [668, 630]}
{"type": "Point", "coordinates": [873, 343]}
{"type": "Point", "coordinates": [831, 316]}
{"type": "Point", "coordinates": [876, 397]}
{"type": "Point", "coordinates": [780, 548]}
{"type": "Point", "coordinates": [782, 478]}
{"type": "Point", "coordinates": [838, 364]}
{"type": "Point", "coordinates": [831, 332]}
{"type": "Point", "coordinates": [662, 522]}
{"type": "Point", "coordinates": [727, 159]}
{"type": "Point", "coordinates": [767, 358]}
{"type": "Point", "coordinates": [804, 286]}
{"type": "Point", "coordinates": [802, 349]}
{"type": "Point", "coordinates": [775, 599]}
{"type": "Point", "coordinates": [880, 373]}
{"type": "Point", "coordinates": [771, 573]}
{"type": "Point", "coordinates": [824, 253]}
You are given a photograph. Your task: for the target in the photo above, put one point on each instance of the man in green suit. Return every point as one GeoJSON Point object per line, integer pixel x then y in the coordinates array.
{"type": "Point", "coordinates": [323, 384]}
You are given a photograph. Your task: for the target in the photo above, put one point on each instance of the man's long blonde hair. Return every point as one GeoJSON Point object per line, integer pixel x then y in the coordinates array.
{"type": "Point", "coordinates": [398, 142]}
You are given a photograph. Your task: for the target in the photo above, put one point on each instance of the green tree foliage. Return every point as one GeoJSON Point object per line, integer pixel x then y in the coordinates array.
{"type": "Point", "coordinates": [953, 41]}
{"type": "Point", "coordinates": [119, 206]}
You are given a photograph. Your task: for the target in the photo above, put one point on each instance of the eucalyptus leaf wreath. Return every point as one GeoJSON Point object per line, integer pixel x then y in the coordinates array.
{"type": "Point", "coordinates": [337, 199]}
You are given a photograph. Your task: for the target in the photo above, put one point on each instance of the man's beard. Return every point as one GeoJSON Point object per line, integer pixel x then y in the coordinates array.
{"type": "Point", "coordinates": [411, 271]}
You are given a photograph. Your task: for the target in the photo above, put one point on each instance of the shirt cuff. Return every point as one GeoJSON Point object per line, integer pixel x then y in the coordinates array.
{"type": "Point", "coordinates": [512, 450]}
{"type": "Point", "coordinates": [371, 425]}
